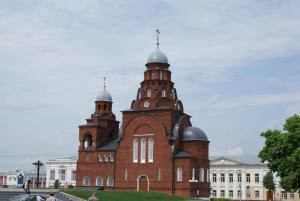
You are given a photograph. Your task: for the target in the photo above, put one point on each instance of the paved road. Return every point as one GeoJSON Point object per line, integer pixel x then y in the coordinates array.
{"type": "Point", "coordinates": [5, 195]}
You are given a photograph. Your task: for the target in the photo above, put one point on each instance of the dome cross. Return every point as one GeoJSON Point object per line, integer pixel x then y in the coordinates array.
{"type": "Point", "coordinates": [157, 38]}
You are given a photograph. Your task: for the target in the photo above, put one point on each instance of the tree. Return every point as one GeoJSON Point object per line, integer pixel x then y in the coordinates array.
{"type": "Point", "coordinates": [282, 152]}
{"type": "Point", "coordinates": [268, 181]}
{"type": "Point", "coordinates": [56, 183]}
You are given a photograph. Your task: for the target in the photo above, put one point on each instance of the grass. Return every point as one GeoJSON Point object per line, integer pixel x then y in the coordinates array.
{"type": "Point", "coordinates": [124, 195]}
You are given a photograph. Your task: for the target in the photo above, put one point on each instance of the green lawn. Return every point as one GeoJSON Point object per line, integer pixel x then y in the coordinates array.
{"type": "Point", "coordinates": [124, 196]}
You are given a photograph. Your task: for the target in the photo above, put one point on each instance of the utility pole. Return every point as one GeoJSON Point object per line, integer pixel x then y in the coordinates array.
{"type": "Point", "coordinates": [38, 164]}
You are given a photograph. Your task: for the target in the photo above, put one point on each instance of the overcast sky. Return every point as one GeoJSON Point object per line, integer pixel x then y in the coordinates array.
{"type": "Point", "coordinates": [235, 65]}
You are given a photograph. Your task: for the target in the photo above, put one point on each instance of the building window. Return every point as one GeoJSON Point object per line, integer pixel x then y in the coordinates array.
{"type": "Point", "coordinates": [214, 194]}
{"type": "Point", "coordinates": [202, 175]}
{"type": "Point", "coordinates": [256, 194]}
{"type": "Point", "coordinates": [62, 174]}
{"type": "Point", "coordinates": [149, 93]}
{"type": "Point", "coordinates": [222, 177]}
{"type": "Point", "coordinates": [110, 181]}
{"type": "Point", "coordinates": [106, 158]}
{"type": "Point", "coordinates": [160, 75]}
{"type": "Point", "coordinates": [158, 175]}
{"type": "Point", "coordinates": [163, 93]}
{"type": "Point", "coordinates": [52, 175]}
{"type": "Point", "coordinates": [222, 193]}
{"type": "Point", "coordinates": [239, 193]}
{"type": "Point", "coordinates": [214, 177]}
{"type": "Point", "coordinates": [100, 158]}
{"type": "Point", "coordinates": [99, 181]}
{"type": "Point", "coordinates": [230, 178]}
{"type": "Point", "coordinates": [135, 150]}
{"type": "Point", "coordinates": [179, 174]}
{"type": "Point", "coordinates": [73, 175]}
{"type": "Point", "coordinates": [239, 178]}
{"type": "Point", "coordinates": [231, 193]}
{"type": "Point", "coordinates": [153, 76]}
{"type": "Point", "coordinates": [126, 174]}
{"type": "Point", "coordinates": [247, 177]}
{"type": "Point", "coordinates": [207, 175]}
{"type": "Point", "coordinates": [86, 181]}
{"type": "Point", "coordinates": [283, 195]}
{"type": "Point", "coordinates": [150, 150]}
{"type": "Point", "coordinates": [256, 178]}
{"type": "Point", "coordinates": [111, 158]}
{"type": "Point", "coordinates": [143, 150]}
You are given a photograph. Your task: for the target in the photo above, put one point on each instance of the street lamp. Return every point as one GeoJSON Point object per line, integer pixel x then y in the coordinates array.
{"type": "Point", "coordinates": [38, 164]}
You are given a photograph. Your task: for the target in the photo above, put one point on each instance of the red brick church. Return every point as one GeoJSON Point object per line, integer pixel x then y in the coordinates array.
{"type": "Point", "coordinates": [156, 148]}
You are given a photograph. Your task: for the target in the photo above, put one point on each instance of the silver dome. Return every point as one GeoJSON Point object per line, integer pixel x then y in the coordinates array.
{"type": "Point", "coordinates": [193, 133]}
{"type": "Point", "coordinates": [157, 57]}
{"type": "Point", "coordinates": [104, 96]}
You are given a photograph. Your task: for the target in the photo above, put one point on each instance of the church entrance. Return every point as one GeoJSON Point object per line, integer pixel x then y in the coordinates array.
{"type": "Point", "coordinates": [143, 183]}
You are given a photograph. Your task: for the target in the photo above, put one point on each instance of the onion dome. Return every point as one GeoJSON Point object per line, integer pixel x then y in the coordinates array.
{"type": "Point", "coordinates": [193, 133]}
{"type": "Point", "coordinates": [157, 57]}
{"type": "Point", "coordinates": [104, 96]}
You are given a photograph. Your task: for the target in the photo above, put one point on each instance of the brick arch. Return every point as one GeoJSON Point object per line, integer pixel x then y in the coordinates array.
{"type": "Point", "coordinates": [143, 129]}
{"type": "Point", "coordinates": [142, 118]}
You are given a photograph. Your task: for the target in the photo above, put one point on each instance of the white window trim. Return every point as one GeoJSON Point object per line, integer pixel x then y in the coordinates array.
{"type": "Point", "coordinates": [101, 183]}
{"type": "Point", "coordinates": [143, 150]}
{"type": "Point", "coordinates": [150, 150]}
{"type": "Point", "coordinates": [179, 174]}
{"type": "Point", "coordinates": [135, 150]}
{"type": "Point", "coordinates": [108, 179]}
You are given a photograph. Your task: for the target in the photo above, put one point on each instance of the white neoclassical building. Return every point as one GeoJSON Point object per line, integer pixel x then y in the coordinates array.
{"type": "Point", "coordinates": [62, 169]}
{"type": "Point", "coordinates": [241, 178]}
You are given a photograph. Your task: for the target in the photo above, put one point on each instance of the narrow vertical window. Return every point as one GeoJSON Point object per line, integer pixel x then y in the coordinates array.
{"type": "Point", "coordinates": [126, 174]}
{"type": "Point", "coordinates": [207, 175]}
{"type": "Point", "coordinates": [201, 175]}
{"type": "Point", "coordinates": [150, 150]}
{"type": "Point", "coordinates": [143, 150]}
{"type": "Point", "coordinates": [179, 174]}
{"type": "Point", "coordinates": [149, 93]}
{"type": "Point", "coordinates": [163, 93]}
{"type": "Point", "coordinates": [158, 175]}
{"type": "Point", "coordinates": [135, 150]}
{"type": "Point", "coordinates": [111, 158]}
{"type": "Point", "coordinates": [160, 75]}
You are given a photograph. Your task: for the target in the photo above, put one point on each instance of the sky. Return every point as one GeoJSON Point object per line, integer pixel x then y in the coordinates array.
{"type": "Point", "coordinates": [235, 65]}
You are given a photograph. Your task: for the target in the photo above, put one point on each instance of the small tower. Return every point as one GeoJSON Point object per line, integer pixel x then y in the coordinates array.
{"type": "Point", "coordinates": [102, 127]}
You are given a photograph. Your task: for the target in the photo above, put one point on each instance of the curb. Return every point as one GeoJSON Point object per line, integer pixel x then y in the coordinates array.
{"type": "Point", "coordinates": [71, 197]}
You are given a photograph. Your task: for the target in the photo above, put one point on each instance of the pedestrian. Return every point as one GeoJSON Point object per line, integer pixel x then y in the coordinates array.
{"type": "Point", "coordinates": [27, 186]}
{"type": "Point", "coordinates": [93, 198]}
{"type": "Point", "coordinates": [51, 198]}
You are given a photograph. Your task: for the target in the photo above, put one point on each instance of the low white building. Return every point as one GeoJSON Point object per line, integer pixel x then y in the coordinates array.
{"type": "Point", "coordinates": [241, 178]}
{"type": "Point", "coordinates": [62, 169]}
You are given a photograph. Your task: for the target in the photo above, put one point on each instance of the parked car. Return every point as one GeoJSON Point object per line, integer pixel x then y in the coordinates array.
{"type": "Point", "coordinates": [31, 197]}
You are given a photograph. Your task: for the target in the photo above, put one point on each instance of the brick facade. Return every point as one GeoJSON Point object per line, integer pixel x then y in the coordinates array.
{"type": "Point", "coordinates": [156, 149]}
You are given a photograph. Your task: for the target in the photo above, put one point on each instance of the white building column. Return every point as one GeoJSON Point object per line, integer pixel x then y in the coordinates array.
{"type": "Point", "coordinates": [226, 184]}
{"type": "Point", "coordinates": [218, 183]}
{"type": "Point", "coordinates": [243, 185]}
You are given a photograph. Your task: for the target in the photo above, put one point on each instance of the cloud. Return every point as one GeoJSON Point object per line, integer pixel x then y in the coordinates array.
{"type": "Point", "coordinates": [237, 151]}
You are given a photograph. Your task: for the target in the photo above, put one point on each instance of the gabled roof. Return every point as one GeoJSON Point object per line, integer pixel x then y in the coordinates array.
{"type": "Point", "coordinates": [241, 159]}
{"type": "Point", "coordinates": [221, 160]}
{"type": "Point", "coordinates": [111, 146]}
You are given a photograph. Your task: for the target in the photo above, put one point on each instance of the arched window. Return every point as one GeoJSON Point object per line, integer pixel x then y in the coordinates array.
{"type": "Point", "coordinates": [105, 107]}
{"type": "Point", "coordinates": [150, 150]}
{"type": "Point", "coordinates": [149, 93]}
{"type": "Point", "coordinates": [179, 174]}
{"type": "Point", "coordinates": [110, 181]}
{"type": "Point", "coordinates": [153, 76]}
{"type": "Point", "coordinates": [106, 158]}
{"type": "Point", "coordinates": [135, 150]}
{"type": "Point", "coordinates": [111, 158]}
{"type": "Point", "coordinates": [143, 150]}
{"type": "Point", "coordinates": [86, 181]}
{"type": "Point", "coordinates": [160, 75]}
{"type": "Point", "coordinates": [99, 181]}
{"type": "Point", "coordinates": [163, 93]}
{"type": "Point", "coordinates": [100, 158]}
